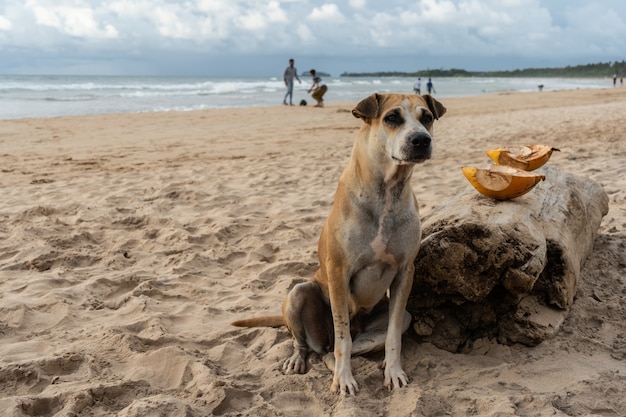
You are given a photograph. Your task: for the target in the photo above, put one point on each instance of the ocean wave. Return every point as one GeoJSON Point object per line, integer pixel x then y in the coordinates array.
{"type": "Point", "coordinates": [43, 96]}
{"type": "Point", "coordinates": [217, 87]}
{"type": "Point", "coordinates": [71, 99]}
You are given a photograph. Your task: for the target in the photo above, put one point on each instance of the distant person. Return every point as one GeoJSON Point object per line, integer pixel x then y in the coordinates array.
{"type": "Point", "coordinates": [621, 81]}
{"type": "Point", "coordinates": [614, 80]}
{"type": "Point", "coordinates": [417, 87]}
{"type": "Point", "coordinates": [430, 87]}
{"type": "Point", "coordinates": [290, 73]}
{"type": "Point", "coordinates": [320, 89]}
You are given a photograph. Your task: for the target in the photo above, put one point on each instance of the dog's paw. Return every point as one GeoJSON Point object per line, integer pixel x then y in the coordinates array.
{"type": "Point", "coordinates": [329, 361]}
{"type": "Point", "coordinates": [296, 364]}
{"type": "Point", "coordinates": [395, 377]}
{"type": "Point", "coordinates": [345, 384]}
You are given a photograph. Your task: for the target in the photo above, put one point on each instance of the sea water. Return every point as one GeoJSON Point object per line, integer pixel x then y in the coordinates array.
{"type": "Point", "coordinates": [25, 96]}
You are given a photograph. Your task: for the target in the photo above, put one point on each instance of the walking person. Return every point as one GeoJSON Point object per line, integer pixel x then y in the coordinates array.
{"type": "Point", "coordinates": [417, 87]}
{"type": "Point", "coordinates": [290, 73]}
{"type": "Point", "coordinates": [320, 89]}
{"type": "Point", "coordinates": [430, 87]}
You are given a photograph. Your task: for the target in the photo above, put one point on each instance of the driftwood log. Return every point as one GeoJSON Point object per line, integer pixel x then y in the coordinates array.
{"type": "Point", "coordinates": [504, 269]}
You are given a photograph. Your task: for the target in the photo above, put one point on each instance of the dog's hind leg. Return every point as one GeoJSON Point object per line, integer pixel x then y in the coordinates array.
{"type": "Point", "coordinates": [372, 337]}
{"type": "Point", "coordinates": [308, 317]}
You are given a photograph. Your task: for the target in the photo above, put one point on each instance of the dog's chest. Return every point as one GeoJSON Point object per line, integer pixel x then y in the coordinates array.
{"type": "Point", "coordinates": [381, 243]}
{"type": "Point", "coordinates": [388, 232]}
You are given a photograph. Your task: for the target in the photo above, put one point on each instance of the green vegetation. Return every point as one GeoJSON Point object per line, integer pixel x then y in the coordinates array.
{"type": "Point", "coordinates": [599, 70]}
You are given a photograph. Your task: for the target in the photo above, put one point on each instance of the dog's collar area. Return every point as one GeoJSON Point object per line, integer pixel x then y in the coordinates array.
{"type": "Point", "coordinates": [400, 161]}
{"type": "Point", "coordinates": [418, 160]}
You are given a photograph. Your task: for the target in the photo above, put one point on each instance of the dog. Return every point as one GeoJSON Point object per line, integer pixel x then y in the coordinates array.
{"type": "Point", "coordinates": [356, 301]}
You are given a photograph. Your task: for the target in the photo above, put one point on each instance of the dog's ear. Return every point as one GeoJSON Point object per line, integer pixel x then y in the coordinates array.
{"type": "Point", "coordinates": [367, 108]}
{"type": "Point", "coordinates": [436, 108]}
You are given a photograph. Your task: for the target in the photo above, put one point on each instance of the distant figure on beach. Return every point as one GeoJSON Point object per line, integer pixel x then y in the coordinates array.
{"type": "Point", "coordinates": [621, 81]}
{"type": "Point", "coordinates": [417, 87]}
{"type": "Point", "coordinates": [320, 89]}
{"type": "Point", "coordinates": [430, 87]}
{"type": "Point", "coordinates": [540, 87]}
{"type": "Point", "coordinates": [290, 73]}
{"type": "Point", "coordinates": [614, 80]}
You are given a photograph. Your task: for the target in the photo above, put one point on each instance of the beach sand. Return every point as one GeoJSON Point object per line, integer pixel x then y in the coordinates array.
{"type": "Point", "coordinates": [128, 243]}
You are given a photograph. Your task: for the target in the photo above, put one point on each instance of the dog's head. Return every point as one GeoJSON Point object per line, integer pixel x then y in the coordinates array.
{"type": "Point", "coordinates": [402, 123]}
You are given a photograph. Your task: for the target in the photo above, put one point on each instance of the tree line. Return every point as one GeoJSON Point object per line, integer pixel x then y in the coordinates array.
{"type": "Point", "coordinates": [597, 70]}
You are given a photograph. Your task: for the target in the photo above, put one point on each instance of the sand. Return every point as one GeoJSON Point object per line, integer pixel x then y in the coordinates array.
{"type": "Point", "coordinates": [128, 243]}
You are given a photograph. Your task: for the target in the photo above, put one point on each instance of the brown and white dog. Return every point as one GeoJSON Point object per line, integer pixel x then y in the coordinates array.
{"type": "Point", "coordinates": [367, 246]}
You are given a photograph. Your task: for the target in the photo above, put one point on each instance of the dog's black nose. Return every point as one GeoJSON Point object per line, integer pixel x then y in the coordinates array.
{"type": "Point", "coordinates": [419, 140]}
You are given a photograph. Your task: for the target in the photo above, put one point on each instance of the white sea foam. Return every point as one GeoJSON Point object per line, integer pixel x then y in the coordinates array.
{"type": "Point", "coordinates": [45, 96]}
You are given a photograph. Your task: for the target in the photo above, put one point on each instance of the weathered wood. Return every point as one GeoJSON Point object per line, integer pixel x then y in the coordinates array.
{"type": "Point", "coordinates": [481, 259]}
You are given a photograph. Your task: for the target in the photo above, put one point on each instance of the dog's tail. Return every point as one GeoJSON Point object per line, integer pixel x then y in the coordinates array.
{"type": "Point", "coordinates": [267, 321]}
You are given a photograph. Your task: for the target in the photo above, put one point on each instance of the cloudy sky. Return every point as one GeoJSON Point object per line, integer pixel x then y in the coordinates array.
{"type": "Point", "coordinates": [256, 37]}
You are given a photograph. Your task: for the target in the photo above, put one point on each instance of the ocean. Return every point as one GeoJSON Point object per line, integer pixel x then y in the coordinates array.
{"type": "Point", "coordinates": [26, 96]}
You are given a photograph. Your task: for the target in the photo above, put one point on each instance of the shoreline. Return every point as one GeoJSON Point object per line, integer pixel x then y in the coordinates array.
{"type": "Point", "coordinates": [614, 94]}
{"type": "Point", "coordinates": [53, 96]}
{"type": "Point", "coordinates": [327, 104]}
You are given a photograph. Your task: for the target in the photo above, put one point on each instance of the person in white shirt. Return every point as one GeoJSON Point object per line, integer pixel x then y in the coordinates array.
{"type": "Point", "coordinates": [417, 87]}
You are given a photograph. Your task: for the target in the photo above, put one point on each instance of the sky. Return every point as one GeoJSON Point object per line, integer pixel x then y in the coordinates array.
{"type": "Point", "coordinates": [257, 37]}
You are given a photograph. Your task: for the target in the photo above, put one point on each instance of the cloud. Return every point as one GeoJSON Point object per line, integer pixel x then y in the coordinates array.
{"type": "Point", "coordinates": [326, 13]}
{"type": "Point", "coordinates": [169, 24]}
{"type": "Point", "coordinates": [5, 24]}
{"type": "Point", "coordinates": [76, 21]}
{"type": "Point", "coordinates": [127, 9]}
{"type": "Point", "coordinates": [357, 4]}
{"type": "Point", "coordinates": [304, 34]}
{"type": "Point", "coordinates": [262, 18]}
{"type": "Point", "coordinates": [438, 11]}
{"type": "Point", "coordinates": [211, 30]}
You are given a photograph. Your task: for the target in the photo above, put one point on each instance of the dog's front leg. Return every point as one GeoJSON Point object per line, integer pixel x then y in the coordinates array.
{"type": "Point", "coordinates": [343, 380]}
{"type": "Point", "coordinates": [395, 377]}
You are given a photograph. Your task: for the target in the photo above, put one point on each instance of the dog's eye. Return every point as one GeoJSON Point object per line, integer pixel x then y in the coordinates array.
{"type": "Point", "coordinates": [427, 118]}
{"type": "Point", "coordinates": [393, 119]}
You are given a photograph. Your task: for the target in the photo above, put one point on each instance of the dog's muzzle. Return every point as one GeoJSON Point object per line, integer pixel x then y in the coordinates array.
{"type": "Point", "coordinates": [418, 147]}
